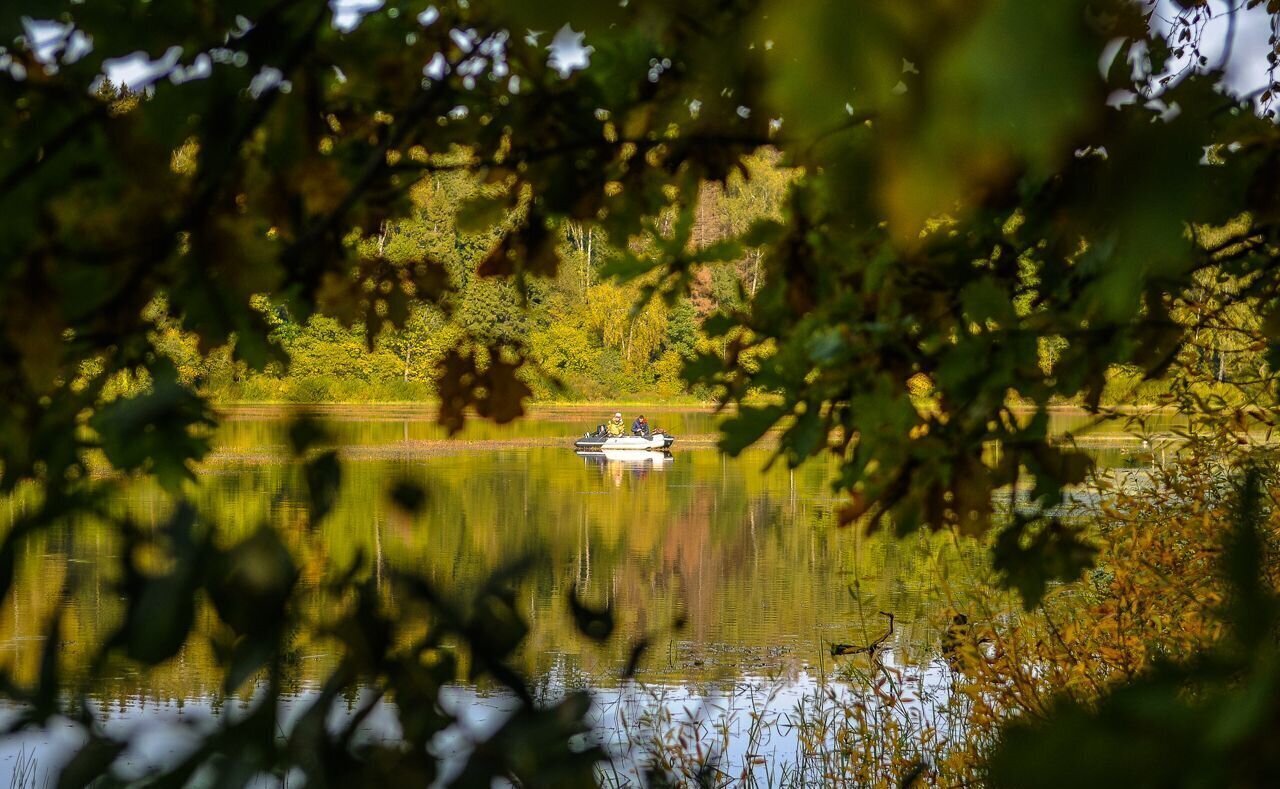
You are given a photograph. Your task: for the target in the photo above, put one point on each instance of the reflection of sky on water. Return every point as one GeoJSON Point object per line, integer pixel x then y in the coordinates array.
{"type": "Point", "coordinates": [749, 724]}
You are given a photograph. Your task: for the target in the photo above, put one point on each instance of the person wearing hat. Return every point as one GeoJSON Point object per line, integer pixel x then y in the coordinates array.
{"type": "Point", "coordinates": [640, 427]}
{"type": "Point", "coordinates": [615, 427]}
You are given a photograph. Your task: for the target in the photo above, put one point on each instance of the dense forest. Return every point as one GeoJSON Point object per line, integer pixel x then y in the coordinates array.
{"type": "Point", "coordinates": [587, 336]}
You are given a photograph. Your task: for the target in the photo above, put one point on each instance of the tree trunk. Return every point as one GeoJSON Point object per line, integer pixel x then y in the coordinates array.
{"type": "Point", "coordinates": [586, 273]}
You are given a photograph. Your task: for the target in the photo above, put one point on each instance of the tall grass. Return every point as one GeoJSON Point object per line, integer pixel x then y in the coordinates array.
{"type": "Point", "coordinates": [26, 771]}
{"type": "Point", "coordinates": [889, 719]}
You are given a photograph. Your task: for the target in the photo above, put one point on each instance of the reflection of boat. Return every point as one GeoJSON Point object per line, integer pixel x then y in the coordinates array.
{"type": "Point", "coordinates": [626, 457]}
{"type": "Point", "coordinates": [597, 442]}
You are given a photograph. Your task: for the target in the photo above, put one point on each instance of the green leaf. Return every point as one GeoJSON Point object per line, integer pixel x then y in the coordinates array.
{"type": "Point", "coordinates": [985, 300]}
{"type": "Point", "coordinates": [324, 479]}
{"type": "Point", "coordinates": [537, 746]}
{"type": "Point", "coordinates": [748, 426]}
{"type": "Point", "coordinates": [626, 266]}
{"type": "Point", "coordinates": [718, 251]}
{"type": "Point", "coordinates": [505, 392]}
{"type": "Point", "coordinates": [806, 437]}
{"type": "Point", "coordinates": [483, 212]}
{"type": "Point", "coordinates": [306, 432]}
{"type": "Point", "coordinates": [156, 431]}
{"type": "Point", "coordinates": [763, 232]}
{"type": "Point", "coordinates": [595, 624]}
{"type": "Point", "coordinates": [408, 496]}
{"type": "Point", "coordinates": [248, 657]}
{"type": "Point", "coordinates": [496, 627]}
{"type": "Point", "coordinates": [1027, 558]}
{"type": "Point", "coordinates": [90, 763]}
{"type": "Point", "coordinates": [160, 609]}
{"type": "Point", "coordinates": [251, 583]}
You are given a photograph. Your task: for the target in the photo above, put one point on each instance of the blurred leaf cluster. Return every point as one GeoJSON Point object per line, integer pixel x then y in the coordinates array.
{"type": "Point", "coordinates": [988, 207]}
{"type": "Point", "coordinates": [993, 204]}
{"type": "Point", "coordinates": [396, 647]}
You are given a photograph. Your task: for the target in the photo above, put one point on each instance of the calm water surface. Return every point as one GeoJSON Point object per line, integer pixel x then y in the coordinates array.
{"type": "Point", "coordinates": [750, 558]}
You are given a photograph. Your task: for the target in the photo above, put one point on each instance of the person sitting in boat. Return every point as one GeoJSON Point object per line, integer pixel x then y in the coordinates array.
{"type": "Point", "coordinates": [614, 427]}
{"type": "Point", "coordinates": [640, 427]}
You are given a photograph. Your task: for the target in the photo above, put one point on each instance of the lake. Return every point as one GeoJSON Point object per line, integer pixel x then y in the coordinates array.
{"type": "Point", "coordinates": [737, 573]}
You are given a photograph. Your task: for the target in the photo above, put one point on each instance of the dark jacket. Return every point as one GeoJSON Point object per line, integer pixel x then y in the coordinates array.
{"type": "Point", "coordinates": [640, 427]}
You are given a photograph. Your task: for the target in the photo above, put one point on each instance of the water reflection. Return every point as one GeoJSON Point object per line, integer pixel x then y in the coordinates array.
{"type": "Point", "coordinates": [751, 560]}
{"type": "Point", "coordinates": [735, 571]}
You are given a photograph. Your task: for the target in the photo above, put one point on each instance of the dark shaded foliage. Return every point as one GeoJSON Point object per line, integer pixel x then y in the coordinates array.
{"type": "Point", "coordinates": [967, 196]}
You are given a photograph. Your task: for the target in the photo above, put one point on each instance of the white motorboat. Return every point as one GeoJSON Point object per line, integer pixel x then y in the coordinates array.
{"type": "Point", "coordinates": [598, 443]}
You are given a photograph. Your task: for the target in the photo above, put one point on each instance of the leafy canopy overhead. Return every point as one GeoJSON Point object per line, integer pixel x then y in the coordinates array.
{"type": "Point", "coordinates": [989, 203]}
{"type": "Point", "coordinates": [977, 183]}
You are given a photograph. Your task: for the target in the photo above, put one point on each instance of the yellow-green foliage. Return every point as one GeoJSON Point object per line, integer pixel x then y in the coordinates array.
{"type": "Point", "coordinates": [587, 336]}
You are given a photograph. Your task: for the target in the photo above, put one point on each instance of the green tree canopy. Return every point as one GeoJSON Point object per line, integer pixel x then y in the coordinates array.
{"type": "Point", "coordinates": [973, 181]}
{"type": "Point", "coordinates": [971, 184]}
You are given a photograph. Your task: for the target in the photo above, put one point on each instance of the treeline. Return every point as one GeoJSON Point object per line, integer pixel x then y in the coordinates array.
{"type": "Point", "coordinates": [586, 336]}
{"type": "Point", "coordinates": [589, 335]}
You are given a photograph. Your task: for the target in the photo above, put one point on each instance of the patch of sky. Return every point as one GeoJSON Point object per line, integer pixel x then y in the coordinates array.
{"type": "Point", "coordinates": [139, 71]}
{"type": "Point", "coordinates": [201, 67]}
{"type": "Point", "coordinates": [348, 13]}
{"type": "Point", "coordinates": [464, 40]}
{"type": "Point", "coordinates": [437, 67]}
{"type": "Point", "coordinates": [1235, 43]}
{"type": "Point", "coordinates": [268, 78]}
{"type": "Point", "coordinates": [568, 52]}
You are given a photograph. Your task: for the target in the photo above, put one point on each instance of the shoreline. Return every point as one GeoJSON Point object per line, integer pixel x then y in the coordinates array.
{"type": "Point", "coordinates": [244, 407]}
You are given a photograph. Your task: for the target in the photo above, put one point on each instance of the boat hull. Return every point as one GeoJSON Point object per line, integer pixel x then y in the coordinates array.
{"type": "Point", "coordinates": [657, 441]}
